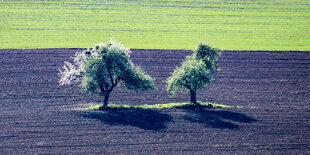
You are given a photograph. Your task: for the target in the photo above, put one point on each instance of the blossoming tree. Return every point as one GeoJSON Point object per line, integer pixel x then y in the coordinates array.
{"type": "Point", "coordinates": [102, 68]}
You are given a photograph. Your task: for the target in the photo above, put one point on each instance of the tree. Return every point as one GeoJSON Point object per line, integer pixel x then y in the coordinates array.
{"type": "Point", "coordinates": [196, 72]}
{"type": "Point", "coordinates": [102, 68]}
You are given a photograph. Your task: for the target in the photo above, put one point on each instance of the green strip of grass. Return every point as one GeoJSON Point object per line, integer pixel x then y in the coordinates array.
{"type": "Point", "coordinates": [160, 106]}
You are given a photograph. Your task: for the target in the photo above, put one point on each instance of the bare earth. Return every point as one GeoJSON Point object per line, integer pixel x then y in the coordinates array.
{"type": "Point", "coordinates": [270, 92]}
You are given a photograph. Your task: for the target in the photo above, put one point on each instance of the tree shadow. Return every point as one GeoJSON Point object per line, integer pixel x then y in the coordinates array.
{"type": "Point", "coordinates": [216, 119]}
{"type": "Point", "coordinates": [142, 118]}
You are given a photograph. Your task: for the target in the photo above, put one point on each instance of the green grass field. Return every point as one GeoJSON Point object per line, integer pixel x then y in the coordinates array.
{"type": "Point", "coordinates": [150, 24]}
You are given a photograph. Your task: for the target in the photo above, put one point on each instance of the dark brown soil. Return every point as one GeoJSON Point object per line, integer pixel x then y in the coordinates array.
{"type": "Point", "coordinates": [270, 92]}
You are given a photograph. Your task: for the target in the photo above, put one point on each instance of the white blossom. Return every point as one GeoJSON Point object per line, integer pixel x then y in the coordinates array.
{"type": "Point", "coordinates": [115, 45]}
{"type": "Point", "coordinates": [72, 72]}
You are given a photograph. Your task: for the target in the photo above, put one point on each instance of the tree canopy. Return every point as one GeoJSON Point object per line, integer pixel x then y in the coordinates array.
{"type": "Point", "coordinates": [102, 68]}
{"type": "Point", "coordinates": [195, 72]}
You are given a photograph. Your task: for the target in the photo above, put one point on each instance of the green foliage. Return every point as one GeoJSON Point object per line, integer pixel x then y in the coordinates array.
{"type": "Point", "coordinates": [153, 24]}
{"type": "Point", "coordinates": [208, 55]}
{"type": "Point", "coordinates": [102, 68]}
{"type": "Point", "coordinates": [135, 79]}
{"type": "Point", "coordinates": [192, 75]}
{"type": "Point", "coordinates": [109, 65]}
{"type": "Point", "coordinates": [161, 106]}
{"type": "Point", "coordinates": [196, 71]}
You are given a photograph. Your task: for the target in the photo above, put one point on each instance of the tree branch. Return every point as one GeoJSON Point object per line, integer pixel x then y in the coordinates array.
{"type": "Point", "coordinates": [114, 84]}
{"type": "Point", "coordinates": [187, 85]}
{"type": "Point", "coordinates": [105, 83]}
{"type": "Point", "coordinates": [111, 77]}
{"type": "Point", "coordinates": [101, 87]}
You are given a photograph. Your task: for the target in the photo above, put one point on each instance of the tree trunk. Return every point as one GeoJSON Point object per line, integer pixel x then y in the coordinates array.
{"type": "Point", "coordinates": [193, 96]}
{"type": "Point", "coordinates": [106, 99]}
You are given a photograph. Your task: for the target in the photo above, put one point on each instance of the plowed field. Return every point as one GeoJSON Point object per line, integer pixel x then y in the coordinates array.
{"type": "Point", "coordinates": [270, 92]}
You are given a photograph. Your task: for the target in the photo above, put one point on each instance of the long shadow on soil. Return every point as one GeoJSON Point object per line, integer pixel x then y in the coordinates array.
{"type": "Point", "coordinates": [216, 119]}
{"type": "Point", "coordinates": [142, 118]}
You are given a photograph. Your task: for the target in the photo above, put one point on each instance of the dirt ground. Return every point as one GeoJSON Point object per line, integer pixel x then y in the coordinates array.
{"type": "Point", "coordinates": [270, 92]}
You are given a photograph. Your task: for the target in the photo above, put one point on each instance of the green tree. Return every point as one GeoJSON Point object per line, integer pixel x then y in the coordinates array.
{"type": "Point", "coordinates": [101, 69]}
{"type": "Point", "coordinates": [196, 72]}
